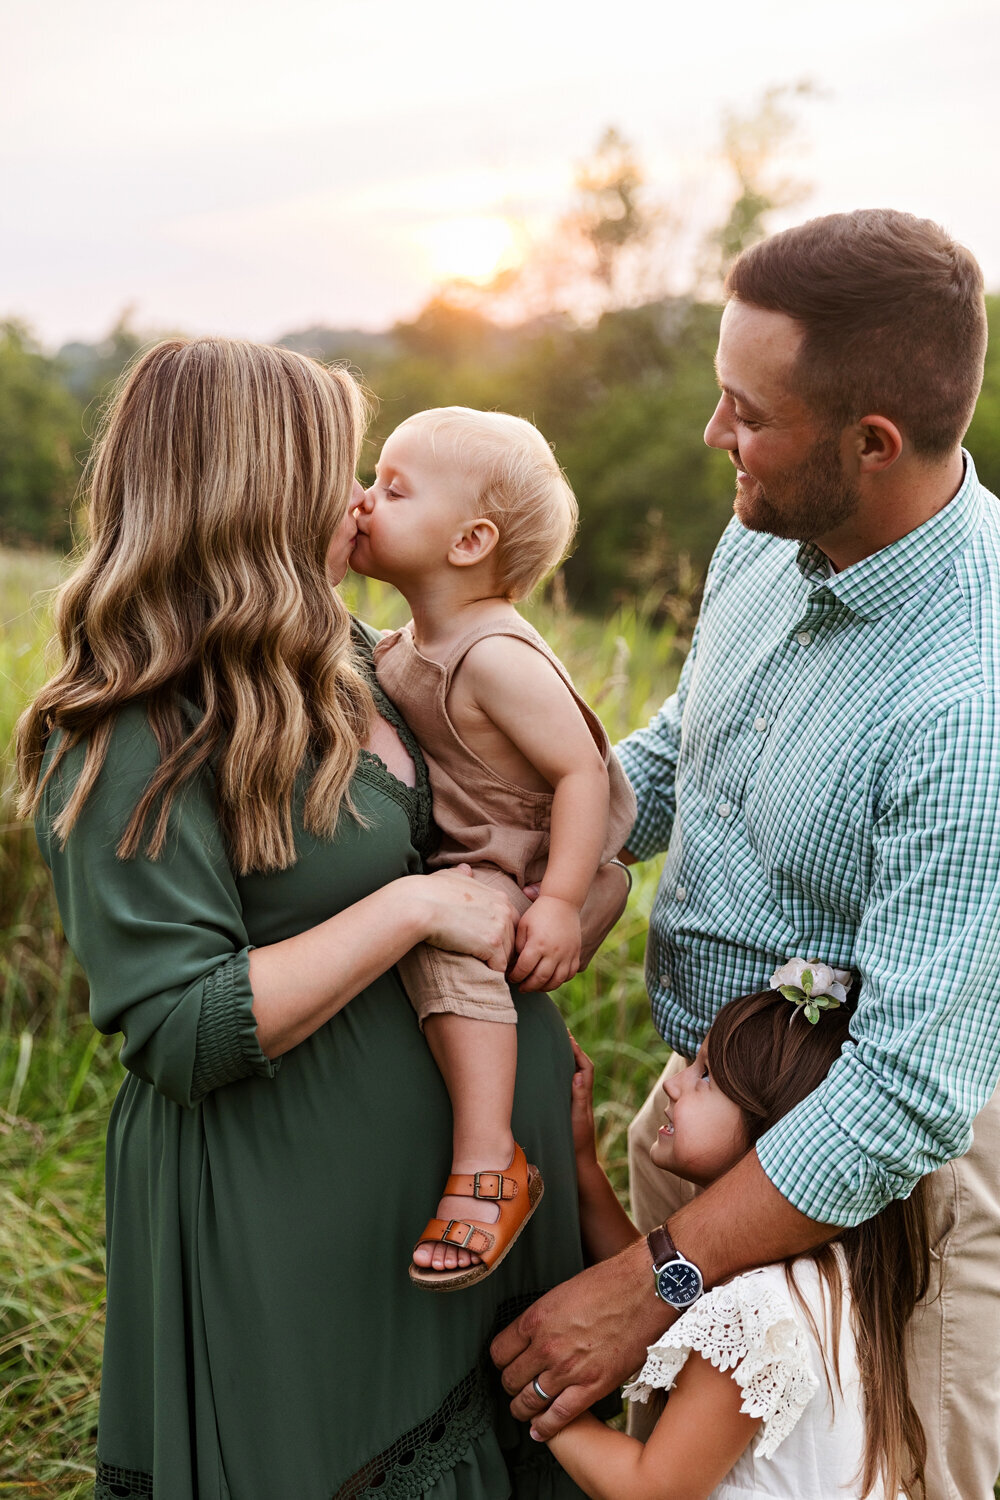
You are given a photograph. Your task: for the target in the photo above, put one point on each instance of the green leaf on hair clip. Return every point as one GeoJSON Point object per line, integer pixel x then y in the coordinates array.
{"type": "Point", "coordinates": [793, 993]}
{"type": "Point", "coordinates": [812, 1012]}
{"type": "Point", "coordinates": [807, 981]}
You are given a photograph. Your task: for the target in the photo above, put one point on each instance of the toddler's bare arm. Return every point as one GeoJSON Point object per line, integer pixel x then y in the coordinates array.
{"type": "Point", "coordinates": [529, 705]}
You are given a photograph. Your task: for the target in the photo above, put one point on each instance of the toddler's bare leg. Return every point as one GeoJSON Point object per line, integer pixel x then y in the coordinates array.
{"type": "Point", "coordinates": [478, 1062]}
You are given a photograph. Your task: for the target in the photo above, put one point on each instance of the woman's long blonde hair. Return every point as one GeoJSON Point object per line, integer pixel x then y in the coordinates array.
{"type": "Point", "coordinates": [220, 476]}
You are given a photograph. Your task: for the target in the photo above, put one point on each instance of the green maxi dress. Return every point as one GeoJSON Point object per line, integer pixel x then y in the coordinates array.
{"type": "Point", "coordinates": [264, 1341]}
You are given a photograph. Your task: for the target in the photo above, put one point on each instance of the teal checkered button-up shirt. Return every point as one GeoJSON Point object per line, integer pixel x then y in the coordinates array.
{"type": "Point", "coordinates": [827, 783]}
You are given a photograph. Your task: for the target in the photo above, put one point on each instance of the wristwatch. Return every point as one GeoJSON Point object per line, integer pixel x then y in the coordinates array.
{"type": "Point", "coordinates": [677, 1280]}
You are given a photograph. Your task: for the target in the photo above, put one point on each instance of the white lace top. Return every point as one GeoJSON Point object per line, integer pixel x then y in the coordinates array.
{"type": "Point", "coordinates": [808, 1447]}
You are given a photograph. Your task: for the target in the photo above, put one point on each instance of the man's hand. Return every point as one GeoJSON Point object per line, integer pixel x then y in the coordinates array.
{"type": "Point", "coordinates": [581, 1340]}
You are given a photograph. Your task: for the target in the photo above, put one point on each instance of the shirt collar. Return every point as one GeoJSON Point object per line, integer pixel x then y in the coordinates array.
{"type": "Point", "coordinates": [878, 584]}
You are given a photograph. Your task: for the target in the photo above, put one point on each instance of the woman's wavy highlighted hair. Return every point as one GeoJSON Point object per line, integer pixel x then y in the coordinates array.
{"type": "Point", "coordinates": [221, 473]}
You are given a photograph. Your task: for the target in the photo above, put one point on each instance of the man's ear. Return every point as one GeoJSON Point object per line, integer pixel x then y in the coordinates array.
{"type": "Point", "coordinates": [475, 542]}
{"type": "Point", "coordinates": [878, 443]}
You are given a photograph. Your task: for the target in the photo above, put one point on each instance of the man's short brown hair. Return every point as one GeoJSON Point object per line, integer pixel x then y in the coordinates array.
{"type": "Point", "coordinates": [893, 314]}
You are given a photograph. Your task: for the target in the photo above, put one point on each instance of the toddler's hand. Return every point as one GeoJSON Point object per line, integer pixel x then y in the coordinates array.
{"type": "Point", "coordinates": [582, 1107]}
{"type": "Point", "coordinates": [547, 945]}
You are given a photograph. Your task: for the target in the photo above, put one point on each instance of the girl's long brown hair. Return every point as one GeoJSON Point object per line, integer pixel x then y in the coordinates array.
{"type": "Point", "coordinates": [766, 1057]}
{"type": "Point", "coordinates": [220, 476]}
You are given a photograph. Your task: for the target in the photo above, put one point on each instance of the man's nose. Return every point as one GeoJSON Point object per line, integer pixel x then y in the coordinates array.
{"type": "Point", "coordinates": [363, 499]}
{"type": "Point", "coordinates": [719, 432]}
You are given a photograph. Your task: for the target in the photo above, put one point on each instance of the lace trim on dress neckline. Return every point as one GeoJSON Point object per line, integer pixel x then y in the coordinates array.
{"type": "Point", "coordinates": [414, 800]}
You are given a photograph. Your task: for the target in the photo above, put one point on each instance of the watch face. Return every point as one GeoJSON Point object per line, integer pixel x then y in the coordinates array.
{"type": "Point", "coordinates": [679, 1283]}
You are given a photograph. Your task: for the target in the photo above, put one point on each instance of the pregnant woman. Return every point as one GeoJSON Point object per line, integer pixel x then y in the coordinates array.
{"type": "Point", "coordinates": [234, 818]}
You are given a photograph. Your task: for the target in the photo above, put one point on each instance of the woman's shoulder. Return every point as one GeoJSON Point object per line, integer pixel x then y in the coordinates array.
{"type": "Point", "coordinates": [131, 756]}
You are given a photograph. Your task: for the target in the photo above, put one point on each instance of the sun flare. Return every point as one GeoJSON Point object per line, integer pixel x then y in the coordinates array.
{"type": "Point", "coordinates": [473, 248]}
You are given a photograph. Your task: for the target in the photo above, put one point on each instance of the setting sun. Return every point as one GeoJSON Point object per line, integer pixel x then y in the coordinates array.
{"type": "Point", "coordinates": [473, 248]}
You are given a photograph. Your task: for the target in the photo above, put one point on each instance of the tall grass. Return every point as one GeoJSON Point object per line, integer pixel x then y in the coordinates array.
{"type": "Point", "coordinates": [58, 1076]}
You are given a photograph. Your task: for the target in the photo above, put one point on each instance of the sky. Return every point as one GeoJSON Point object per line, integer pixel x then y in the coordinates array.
{"type": "Point", "coordinates": [251, 168]}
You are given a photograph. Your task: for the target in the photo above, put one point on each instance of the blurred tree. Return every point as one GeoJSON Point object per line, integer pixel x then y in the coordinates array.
{"type": "Point", "coordinates": [40, 439]}
{"type": "Point", "coordinates": [751, 143]}
{"type": "Point", "coordinates": [92, 369]}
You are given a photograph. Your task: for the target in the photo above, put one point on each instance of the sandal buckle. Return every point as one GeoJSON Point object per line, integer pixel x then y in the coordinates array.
{"type": "Point", "coordinates": [460, 1224]}
{"type": "Point", "coordinates": [494, 1196]}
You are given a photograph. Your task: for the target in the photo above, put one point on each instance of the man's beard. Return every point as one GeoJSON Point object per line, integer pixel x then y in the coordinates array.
{"type": "Point", "coordinates": [820, 497]}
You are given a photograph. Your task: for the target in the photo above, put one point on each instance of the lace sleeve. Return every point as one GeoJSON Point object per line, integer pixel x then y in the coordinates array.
{"type": "Point", "coordinates": [749, 1327]}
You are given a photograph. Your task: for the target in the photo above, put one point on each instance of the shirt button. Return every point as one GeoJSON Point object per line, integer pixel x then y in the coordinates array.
{"type": "Point", "coordinates": [760, 724]}
{"type": "Point", "coordinates": [681, 893]}
{"type": "Point", "coordinates": [803, 637]}
{"type": "Point", "coordinates": [723, 809]}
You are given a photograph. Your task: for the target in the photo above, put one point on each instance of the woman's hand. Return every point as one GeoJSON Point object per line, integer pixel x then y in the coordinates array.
{"type": "Point", "coordinates": [465, 915]}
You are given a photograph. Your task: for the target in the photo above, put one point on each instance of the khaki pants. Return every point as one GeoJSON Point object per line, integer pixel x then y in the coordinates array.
{"type": "Point", "coordinates": [954, 1335]}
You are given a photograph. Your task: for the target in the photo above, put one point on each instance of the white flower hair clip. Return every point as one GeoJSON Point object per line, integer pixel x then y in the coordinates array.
{"type": "Point", "coordinates": [812, 986]}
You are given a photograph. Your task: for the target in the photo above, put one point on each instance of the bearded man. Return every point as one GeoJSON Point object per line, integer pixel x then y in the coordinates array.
{"type": "Point", "coordinates": [826, 781]}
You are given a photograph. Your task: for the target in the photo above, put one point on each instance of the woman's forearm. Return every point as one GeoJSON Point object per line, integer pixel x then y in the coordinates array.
{"type": "Point", "coordinates": [299, 983]}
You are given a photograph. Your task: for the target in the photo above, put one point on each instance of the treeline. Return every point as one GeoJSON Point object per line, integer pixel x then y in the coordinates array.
{"type": "Point", "coordinates": [624, 401]}
{"type": "Point", "coordinates": [582, 337]}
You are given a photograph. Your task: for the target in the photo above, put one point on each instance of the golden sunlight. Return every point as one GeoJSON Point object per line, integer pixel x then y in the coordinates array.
{"type": "Point", "coordinates": [472, 248]}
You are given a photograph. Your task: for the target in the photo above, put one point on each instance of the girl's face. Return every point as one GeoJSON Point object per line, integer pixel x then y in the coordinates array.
{"type": "Point", "coordinates": [341, 546]}
{"type": "Point", "coordinates": [704, 1134]}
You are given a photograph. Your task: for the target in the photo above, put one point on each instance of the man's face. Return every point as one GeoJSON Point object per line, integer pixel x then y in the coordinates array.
{"type": "Point", "coordinates": [790, 474]}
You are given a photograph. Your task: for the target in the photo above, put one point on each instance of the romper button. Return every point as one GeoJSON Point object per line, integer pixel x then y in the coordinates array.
{"type": "Point", "coordinates": [804, 638]}
{"type": "Point", "coordinates": [681, 893]}
{"type": "Point", "coordinates": [723, 809]}
{"type": "Point", "coordinates": [760, 724]}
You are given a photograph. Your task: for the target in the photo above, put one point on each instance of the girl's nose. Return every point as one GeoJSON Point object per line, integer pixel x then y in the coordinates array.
{"type": "Point", "coordinates": [671, 1086]}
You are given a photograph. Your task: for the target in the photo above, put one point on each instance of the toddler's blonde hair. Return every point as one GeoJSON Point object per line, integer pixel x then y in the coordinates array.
{"type": "Point", "coordinates": [518, 486]}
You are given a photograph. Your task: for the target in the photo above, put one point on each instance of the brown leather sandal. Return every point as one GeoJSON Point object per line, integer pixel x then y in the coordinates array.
{"type": "Point", "coordinates": [517, 1191]}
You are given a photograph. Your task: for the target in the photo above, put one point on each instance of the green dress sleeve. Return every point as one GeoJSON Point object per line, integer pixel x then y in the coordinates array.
{"type": "Point", "coordinates": [163, 943]}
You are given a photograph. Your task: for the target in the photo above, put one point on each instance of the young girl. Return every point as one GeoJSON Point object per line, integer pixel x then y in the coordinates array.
{"type": "Point", "coordinates": [788, 1381]}
{"type": "Point", "coordinates": [469, 510]}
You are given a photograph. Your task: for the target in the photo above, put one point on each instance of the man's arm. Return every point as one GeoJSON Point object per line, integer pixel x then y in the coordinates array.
{"type": "Point", "coordinates": [924, 1058]}
{"type": "Point", "coordinates": [586, 1337]}
{"type": "Point", "coordinates": [649, 758]}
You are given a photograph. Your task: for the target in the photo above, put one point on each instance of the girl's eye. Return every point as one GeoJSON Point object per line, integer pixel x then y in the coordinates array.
{"type": "Point", "coordinates": [393, 494]}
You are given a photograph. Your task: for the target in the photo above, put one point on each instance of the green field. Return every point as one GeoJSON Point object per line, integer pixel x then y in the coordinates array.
{"type": "Point", "coordinates": [58, 1076]}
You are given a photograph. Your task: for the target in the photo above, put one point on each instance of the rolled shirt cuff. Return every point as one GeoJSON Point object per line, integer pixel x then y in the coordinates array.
{"type": "Point", "coordinates": [227, 1048]}
{"type": "Point", "coordinates": [823, 1172]}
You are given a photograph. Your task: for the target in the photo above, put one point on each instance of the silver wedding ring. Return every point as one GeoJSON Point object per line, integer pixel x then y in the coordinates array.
{"type": "Point", "coordinates": [542, 1395]}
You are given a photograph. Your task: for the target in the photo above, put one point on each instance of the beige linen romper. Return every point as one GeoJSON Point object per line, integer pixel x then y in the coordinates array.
{"type": "Point", "coordinates": [499, 828]}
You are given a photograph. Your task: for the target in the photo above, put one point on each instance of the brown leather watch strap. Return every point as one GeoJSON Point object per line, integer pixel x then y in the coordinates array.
{"type": "Point", "coordinates": [661, 1246]}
